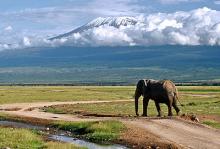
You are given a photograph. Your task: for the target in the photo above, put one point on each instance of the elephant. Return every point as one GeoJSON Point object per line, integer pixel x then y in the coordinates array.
{"type": "Point", "coordinates": [161, 91]}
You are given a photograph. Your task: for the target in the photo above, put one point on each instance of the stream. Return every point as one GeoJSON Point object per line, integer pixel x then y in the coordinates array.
{"type": "Point", "coordinates": [60, 136]}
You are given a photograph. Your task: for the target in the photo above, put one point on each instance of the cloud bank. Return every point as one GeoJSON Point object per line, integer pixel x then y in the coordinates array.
{"type": "Point", "coordinates": [177, 1]}
{"type": "Point", "coordinates": [197, 27]}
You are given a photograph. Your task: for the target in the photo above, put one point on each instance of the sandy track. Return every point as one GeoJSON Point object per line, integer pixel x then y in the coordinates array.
{"type": "Point", "coordinates": [32, 110]}
{"type": "Point", "coordinates": [186, 134]}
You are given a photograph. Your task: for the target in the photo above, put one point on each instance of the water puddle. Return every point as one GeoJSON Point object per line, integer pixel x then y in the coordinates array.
{"type": "Point", "coordinates": [61, 137]}
{"type": "Point", "coordinates": [84, 143]}
{"type": "Point", "coordinates": [20, 125]}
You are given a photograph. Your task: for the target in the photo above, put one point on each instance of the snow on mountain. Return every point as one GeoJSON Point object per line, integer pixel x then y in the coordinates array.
{"type": "Point", "coordinates": [113, 21]}
{"type": "Point", "coordinates": [116, 22]}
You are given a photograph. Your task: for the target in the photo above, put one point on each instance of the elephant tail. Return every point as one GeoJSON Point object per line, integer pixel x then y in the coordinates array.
{"type": "Point", "coordinates": [176, 97]}
{"type": "Point", "coordinates": [175, 91]}
{"type": "Point", "coordinates": [176, 94]}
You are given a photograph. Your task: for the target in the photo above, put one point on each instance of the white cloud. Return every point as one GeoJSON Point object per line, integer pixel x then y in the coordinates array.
{"type": "Point", "coordinates": [168, 23]}
{"type": "Point", "coordinates": [217, 2]}
{"type": "Point", "coordinates": [8, 28]}
{"type": "Point", "coordinates": [107, 35]}
{"type": "Point", "coordinates": [196, 27]}
{"type": "Point", "coordinates": [178, 38]}
{"type": "Point", "coordinates": [26, 41]}
{"type": "Point", "coordinates": [115, 8]}
{"type": "Point", "coordinates": [176, 1]}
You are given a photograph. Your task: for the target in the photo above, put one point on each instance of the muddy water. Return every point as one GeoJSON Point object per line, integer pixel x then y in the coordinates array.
{"type": "Point", "coordinates": [61, 137]}
{"type": "Point", "coordinates": [84, 143]}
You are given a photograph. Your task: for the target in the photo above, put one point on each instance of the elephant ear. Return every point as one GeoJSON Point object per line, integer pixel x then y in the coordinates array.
{"type": "Point", "coordinates": [140, 86]}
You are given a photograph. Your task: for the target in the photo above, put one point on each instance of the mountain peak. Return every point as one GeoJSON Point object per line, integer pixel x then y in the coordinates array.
{"type": "Point", "coordinates": [100, 21]}
{"type": "Point", "coordinates": [113, 21]}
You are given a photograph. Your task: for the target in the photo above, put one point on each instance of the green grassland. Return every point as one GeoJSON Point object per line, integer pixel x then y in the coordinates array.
{"type": "Point", "coordinates": [18, 94]}
{"type": "Point", "coordinates": [26, 139]}
{"type": "Point", "coordinates": [98, 131]}
{"type": "Point", "coordinates": [196, 106]}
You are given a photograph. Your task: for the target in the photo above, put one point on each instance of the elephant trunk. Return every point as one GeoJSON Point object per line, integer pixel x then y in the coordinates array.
{"type": "Point", "coordinates": [136, 107]}
{"type": "Point", "coordinates": [137, 95]}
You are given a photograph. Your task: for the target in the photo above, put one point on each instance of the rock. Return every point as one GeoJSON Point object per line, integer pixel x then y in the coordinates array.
{"type": "Point", "coordinates": [194, 118]}
{"type": "Point", "coordinates": [184, 114]}
{"type": "Point", "coordinates": [68, 132]}
{"type": "Point", "coordinates": [197, 119]}
{"type": "Point", "coordinates": [154, 146]}
{"type": "Point", "coordinates": [41, 132]}
{"type": "Point", "coordinates": [120, 140]}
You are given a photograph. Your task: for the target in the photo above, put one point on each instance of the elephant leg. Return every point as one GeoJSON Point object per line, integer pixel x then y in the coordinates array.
{"type": "Point", "coordinates": [145, 104]}
{"type": "Point", "coordinates": [176, 107]}
{"type": "Point", "coordinates": [158, 108]}
{"type": "Point", "coordinates": [170, 109]}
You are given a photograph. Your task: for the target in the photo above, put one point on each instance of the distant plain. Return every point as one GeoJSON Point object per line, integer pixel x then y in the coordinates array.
{"type": "Point", "coordinates": [110, 65]}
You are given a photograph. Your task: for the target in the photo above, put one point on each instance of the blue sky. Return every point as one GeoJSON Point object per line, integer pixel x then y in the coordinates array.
{"type": "Point", "coordinates": [77, 12]}
{"type": "Point", "coordinates": [158, 5]}
{"type": "Point", "coordinates": [51, 17]}
{"type": "Point", "coordinates": [149, 5]}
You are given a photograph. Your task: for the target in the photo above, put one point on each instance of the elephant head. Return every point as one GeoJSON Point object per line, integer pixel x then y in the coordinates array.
{"type": "Point", "coordinates": [141, 85]}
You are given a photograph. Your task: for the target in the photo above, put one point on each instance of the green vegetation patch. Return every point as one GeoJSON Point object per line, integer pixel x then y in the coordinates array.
{"type": "Point", "coordinates": [20, 139]}
{"type": "Point", "coordinates": [202, 89]}
{"type": "Point", "coordinates": [26, 139]}
{"type": "Point", "coordinates": [212, 123]}
{"type": "Point", "coordinates": [191, 105]}
{"type": "Point", "coordinates": [98, 131]}
{"type": "Point", "coordinates": [208, 107]}
{"type": "Point", "coordinates": [18, 94]}
{"type": "Point", "coordinates": [108, 109]}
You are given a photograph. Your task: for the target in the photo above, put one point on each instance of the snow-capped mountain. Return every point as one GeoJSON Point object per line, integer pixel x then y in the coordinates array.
{"type": "Point", "coordinates": [100, 21]}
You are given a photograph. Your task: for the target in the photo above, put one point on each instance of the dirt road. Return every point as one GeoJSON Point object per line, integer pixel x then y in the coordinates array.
{"type": "Point", "coordinates": [33, 110]}
{"type": "Point", "coordinates": [186, 134]}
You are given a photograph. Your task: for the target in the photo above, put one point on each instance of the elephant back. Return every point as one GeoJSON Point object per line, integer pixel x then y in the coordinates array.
{"type": "Point", "coordinates": [170, 87]}
{"type": "Point", "coordinates": [154, 89]}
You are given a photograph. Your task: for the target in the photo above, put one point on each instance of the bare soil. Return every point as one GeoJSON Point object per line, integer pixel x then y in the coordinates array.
{"type": "Point", "coordinates": [140, 133]}
{"type": "Point", "coordinates": [184, 133]}
{"type": "Point", "coordinates": [139, 138]}
{"type": "Point", "coordinates": [209, 117]}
